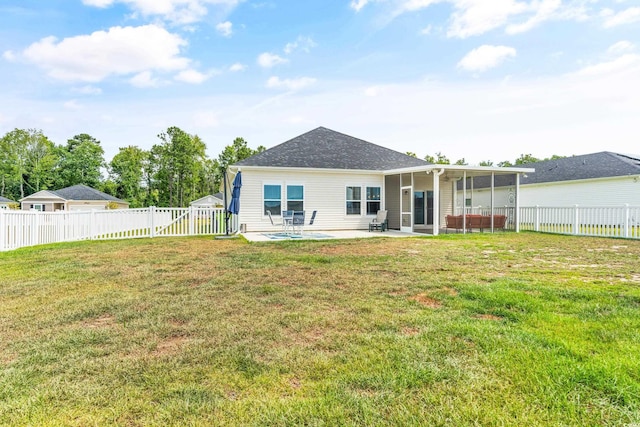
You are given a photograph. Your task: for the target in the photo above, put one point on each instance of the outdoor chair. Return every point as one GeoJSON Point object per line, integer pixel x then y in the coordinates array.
{"type": "Point", "coordinates": [298, 221]}
{"type": "Point", "coordinates": [273, 223]}
{"type": "Point", "coordinates": [379, 222]}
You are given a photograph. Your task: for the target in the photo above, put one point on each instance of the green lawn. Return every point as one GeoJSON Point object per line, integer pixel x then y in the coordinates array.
{"type": "Point", "coordinates": [457, 330]}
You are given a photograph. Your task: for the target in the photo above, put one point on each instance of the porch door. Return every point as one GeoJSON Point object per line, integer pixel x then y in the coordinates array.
{"type": "Point", "coordinates": [429, 207]}
{"type": "Point", "coordinates": [406, 214]}
{"type": "Point", "coordinates": [418, 208]}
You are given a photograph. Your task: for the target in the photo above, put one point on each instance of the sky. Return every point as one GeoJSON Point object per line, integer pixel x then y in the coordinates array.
{"type": "Point", "coordinates": [473, 79]}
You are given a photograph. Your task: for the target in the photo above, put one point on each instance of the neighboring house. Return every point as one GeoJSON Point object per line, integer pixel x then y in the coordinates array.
{"type": "Point", "coordinates": [347, 180]}
{"type": "Point", "coordinates": [210, 201]}
{"type": "Point", "coordinates": [4, 202]}
{"type": "Point", "coordinates": [74, 198]}
{"type": "Point", "coordinates": [598, 179]}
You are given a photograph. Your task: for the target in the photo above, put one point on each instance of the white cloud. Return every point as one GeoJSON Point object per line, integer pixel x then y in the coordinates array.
{"type": "Point", "coordinates": [372, 91]}
{"type": "Point", "coordinates": [192, 76]}
{"type": "Point", "coordinates": [237, 67]}
{"type": "Point", "coordinates": [474, 17]}
{"type": "Point", "coordinates": [176, 11]}
{"type": "Point", "coordinates": [225, 28]}
{"type": "Point", "coordinates": [545, 11]}
{"type": "Point", "coordinates": [622, 46]}
{"type": "Point", "coordinates": [144, 80]}
{"type": "Point", "coordinates": [486, 57]}
{"type": "Point", "coordinates": [290, 84]}
{"type": "Point", "coordinates": [118, 51]}
{"type": "Point", "coordinates": [357, 5]}
{"type": "Point", "coordinates": [9, 55]}
{"type": "Point", "coordinates": [627, 16]}
{"type": "Point", "coordinates": [426, 30]}
{"type": "Point", "coordinates": [88, 90]}
{"type": "Point", "coordinates": [304, 44]}
{"type": "Point", "coordinates": [268, 60]}
{"type": "Point", "coordinates": [621, 64]}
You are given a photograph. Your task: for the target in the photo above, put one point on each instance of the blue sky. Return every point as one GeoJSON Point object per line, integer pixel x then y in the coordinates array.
{"type": "Point", "coordinates": [479, 79]}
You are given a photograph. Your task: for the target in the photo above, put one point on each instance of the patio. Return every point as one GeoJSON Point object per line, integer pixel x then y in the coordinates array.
{"type": "Point", "coordinates": [325, 235]}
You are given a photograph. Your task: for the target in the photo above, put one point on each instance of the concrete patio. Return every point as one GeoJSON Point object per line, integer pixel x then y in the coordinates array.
{"type": "Point", "coordinates": [327, 235]}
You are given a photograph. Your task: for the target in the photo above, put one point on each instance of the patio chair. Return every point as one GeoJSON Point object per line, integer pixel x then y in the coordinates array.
{"type": "Point", "coordinates": [271, 219]}
{"type": "Point", "coordinates": [298, 221]}
{"type": "Point", "coordinates": [379, 222]}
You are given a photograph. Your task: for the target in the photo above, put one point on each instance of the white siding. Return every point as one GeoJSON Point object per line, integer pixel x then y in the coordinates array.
{"type": "Point", "coordinates": [323, 191]}
{"type": "Point", "coordinates": [597, 192]}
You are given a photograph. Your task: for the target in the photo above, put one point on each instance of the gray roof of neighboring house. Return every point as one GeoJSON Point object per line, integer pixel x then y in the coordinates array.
{"type": "Point", "coordinates": [5, 200]}
{"type": "Point", "coordinates": [327, 149]}
{"type": "Point", "coordinates": [83, 192]}
{"type": "Point", "coordinates": [587, 166]}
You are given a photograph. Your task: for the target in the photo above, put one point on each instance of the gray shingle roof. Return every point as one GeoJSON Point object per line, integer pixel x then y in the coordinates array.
{"type": "Point", "coordinates": [5, 200]}
{"type": "Point", "coordinates": [326, 149]}
{"type": "Point", "coordinates": [83, 192]}
{"type": "Point", "coordinates": [587, 166]}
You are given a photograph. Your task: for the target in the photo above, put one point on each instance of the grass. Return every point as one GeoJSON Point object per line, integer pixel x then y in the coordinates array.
{"type": "Point", "coordinates": [500, 329]}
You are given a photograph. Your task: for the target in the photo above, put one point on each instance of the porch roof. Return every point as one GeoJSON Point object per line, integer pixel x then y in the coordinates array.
{"type": "Point", "coordinates": [458, 171]}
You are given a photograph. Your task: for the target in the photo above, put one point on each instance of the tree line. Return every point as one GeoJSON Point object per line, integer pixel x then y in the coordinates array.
{"type": "Point", "coordinates": [523, 159]}
{"type": "Point", "coordinates": [174, 172]}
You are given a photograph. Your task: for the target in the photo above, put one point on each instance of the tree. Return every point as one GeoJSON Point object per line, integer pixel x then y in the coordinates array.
{"type": "Point", "coordinates": [525, 159]}
{"type": "Point", "coordinates": [439, 159]}
{"type": "Point", "coordinates": [177, 164]}
{"type": "Point", "coordinates": [126, 169]}
{"type": "Point", "coordinates": [486, 163]}
{"type": "Point", "coordinates": [411, 154]}
{"type": "Point", "coordinates": [461, 162]}
{"type": "Point", "coordinates": [27, 158]}
{"type": "Point", "coordinates": [505, 164]}
{"type": "Point", "coordinates": [238, 150]}
{"type": "Point", "coordinates": [81, 161]}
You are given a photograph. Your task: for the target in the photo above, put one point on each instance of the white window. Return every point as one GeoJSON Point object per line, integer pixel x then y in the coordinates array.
{"type": "Point", "coordinates": [354, 200]}
{"type": "Point", "coordinates": [295, 197]}
{"type": "Point", "coordinates": [272, 197]}
{"type": "Point", "coordinates": [38, 207]}
{"type": "Point", "coordinates": [373, 200]}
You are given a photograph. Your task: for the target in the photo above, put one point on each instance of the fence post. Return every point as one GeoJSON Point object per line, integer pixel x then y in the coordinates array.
{"type": "Point", "coordinates": [3, 229]}
{"type": "Point", "coordinates": [627, 218]}
{"type": "Point", "coordinates": [537, 220]}
{"type": "Point", "coordinates": [152, 227]}
{"type": "Point", "coordinates": [576, 220]}
{"type": "Point", "coordinates": [192, 219]}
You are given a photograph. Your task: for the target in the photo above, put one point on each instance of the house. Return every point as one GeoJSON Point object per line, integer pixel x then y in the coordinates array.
{"type": "Point", "coordinates": [74, 198]}
{"type": "Point", "coordinates": [347, 180]}
{"type": "Point", "coordinates": [597, 179]}
{"type": "Point", "coordinates": [210, 201]}
{"type": "Point", "coordinates": [5, 203]}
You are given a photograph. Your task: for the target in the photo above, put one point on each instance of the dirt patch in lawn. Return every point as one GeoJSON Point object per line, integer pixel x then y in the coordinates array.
{"type": "Point", "coordinates": [169, 346]}
{"type": "Point", "coordinates": [426, 301]}
{"type": "Point", "coordinates": [104, 321]}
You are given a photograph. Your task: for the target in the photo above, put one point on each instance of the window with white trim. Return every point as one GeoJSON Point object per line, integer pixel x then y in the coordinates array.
{"type": "Point", "coordinates": [295, 197]}
{"type": "Point", "coordinates": [38, 207]}
{"type": "Point", "coordinates": [354, 200]}
{"type": "Point", "coordinates": [373, 200]}
{"type": "Point", "coordinates": [272, 196]}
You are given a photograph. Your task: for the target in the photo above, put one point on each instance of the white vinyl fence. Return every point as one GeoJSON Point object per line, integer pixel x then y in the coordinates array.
{"type": "Point", "coordinates": [615, 221]}
{"type": "Point", "coordinates": [600, 221]}
{"type": "Point", "coordinates": [29, 228]}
